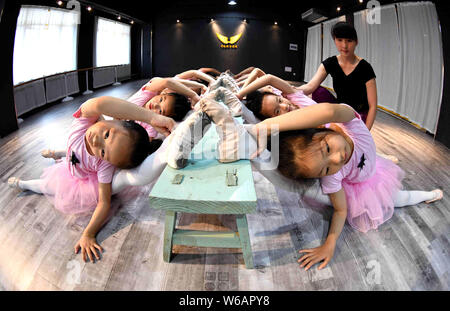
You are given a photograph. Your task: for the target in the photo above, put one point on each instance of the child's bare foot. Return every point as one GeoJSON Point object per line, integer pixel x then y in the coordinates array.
{"type": "Point", "coordinates": [51, 154]}
{"type": "Point", "coordinates": [439, 194]}
{"type": "Point", "coordinates": [389, 157]}
{"type": "Point", "coordinates": [13, 182]}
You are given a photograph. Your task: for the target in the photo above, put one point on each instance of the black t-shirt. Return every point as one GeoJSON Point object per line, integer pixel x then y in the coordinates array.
{"type": "Point", "coordinates": [350, 89]}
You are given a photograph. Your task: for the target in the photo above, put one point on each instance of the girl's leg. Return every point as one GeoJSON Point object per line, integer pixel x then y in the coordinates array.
{"type": "Point", "coordinates": [147, 172]}
{"type": "Point", "coordinates": [407, 198]}
{"type": "Point", "coordinates": [34, 185]}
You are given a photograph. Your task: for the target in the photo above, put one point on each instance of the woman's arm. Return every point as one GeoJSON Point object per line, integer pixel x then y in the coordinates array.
{"type": "Point", "coordinates": [309, 117]}
{"type": "Point", "coordinates": [88, 243]}
{"type": "Point", "coordinates": [255, 74]}
{"type": "Point", "coordinates": [268, 79]}
{"type": "Point", "coordinates": [121, 109]}
{"type": "Point", "coordinates": [315, 82]}
{"type": "Point", "coordinates": [372, 99]}
{"type": "Point", "coordinates": [326, 251]}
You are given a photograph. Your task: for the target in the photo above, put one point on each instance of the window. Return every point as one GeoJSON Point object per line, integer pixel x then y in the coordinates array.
{"type": "Point", "coordinates": [45, 42]}
{"type": "Point", "coordinates": [113, 43]}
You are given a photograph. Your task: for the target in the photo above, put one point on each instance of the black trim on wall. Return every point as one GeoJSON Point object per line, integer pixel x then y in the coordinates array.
{"type": "Point", "coordinates": [8, 20]}
{"type": "Point", "coordinates": [443, 130]}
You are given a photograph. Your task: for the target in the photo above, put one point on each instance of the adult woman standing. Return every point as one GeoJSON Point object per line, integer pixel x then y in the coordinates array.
{"type": "Point", "coordinates": [353, 77]}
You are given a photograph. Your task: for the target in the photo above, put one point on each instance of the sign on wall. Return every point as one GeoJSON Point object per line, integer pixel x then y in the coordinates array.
{"type": "Point", "coordinates": [228, 42]}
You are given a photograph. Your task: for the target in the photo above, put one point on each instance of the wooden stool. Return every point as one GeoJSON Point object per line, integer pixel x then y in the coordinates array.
{"type": "Point", "coordinates": [203, 190]}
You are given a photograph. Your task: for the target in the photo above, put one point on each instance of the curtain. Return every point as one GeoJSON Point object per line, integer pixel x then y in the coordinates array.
{"type": "Point", "coordinates": [113, 43]}
{"type": "Point", "coordinates": [329, 48]}
{"type": "Point", "coordinates": [313, 51]}
{"type": "Point", "coordinates": [421, 72]}
{"type": "Point", "coordinates": [45, 42]}
{"type": "Point", "coordinates": [384, 58]}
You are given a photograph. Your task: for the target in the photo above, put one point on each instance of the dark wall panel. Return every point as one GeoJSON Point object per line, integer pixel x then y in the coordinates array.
{"type": "Point", "coordinates": [443, 130]}
{"type": "Point", "coordinates": [9, 12]}
{"type": "Point", "coordinates": [193, 44]}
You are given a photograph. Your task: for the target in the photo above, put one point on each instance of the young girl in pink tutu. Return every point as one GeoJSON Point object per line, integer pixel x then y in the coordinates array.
{"type": "Point", "coordinates": [362, 187]}
{"type": "Point", "coordinates": [86, 177]}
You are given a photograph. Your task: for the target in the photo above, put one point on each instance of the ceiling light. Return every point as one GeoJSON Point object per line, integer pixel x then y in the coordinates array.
{"type": "Point", "coordinates": [89, 8]}
{"type": "Point", "coordinates": [60, 3]}
{"type": "Point", "coordinates": [338, 8]}
{"type": "Point", "coordinates": [275, 23]}
{"type": "Point", "coordinates": [132, 22]}
{"type": "Point", "coordinates": [119, 18]}
{"type": "Point", "coordinates": [232, 2]}
{"type": "Point", "coordinates": [178, 20]}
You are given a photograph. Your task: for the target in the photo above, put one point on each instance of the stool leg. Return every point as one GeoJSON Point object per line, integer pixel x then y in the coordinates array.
{"type": "Point", "coordinates": [242, 225]}
{"type": "Point", "coordinates": [169, 228]}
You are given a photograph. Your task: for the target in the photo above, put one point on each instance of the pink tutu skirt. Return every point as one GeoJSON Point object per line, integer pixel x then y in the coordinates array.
{"type": "Point", "coordinates": [69, 194]}
{"type": "Point", "coordinates": [371, 202]}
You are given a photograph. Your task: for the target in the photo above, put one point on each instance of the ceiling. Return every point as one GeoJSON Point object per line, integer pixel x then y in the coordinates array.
{"type": "Point", "coordinates": [147, 10]}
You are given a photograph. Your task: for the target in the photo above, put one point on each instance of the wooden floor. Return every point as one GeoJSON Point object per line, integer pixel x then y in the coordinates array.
{"type": "Point", "coordinates": [409, 252]}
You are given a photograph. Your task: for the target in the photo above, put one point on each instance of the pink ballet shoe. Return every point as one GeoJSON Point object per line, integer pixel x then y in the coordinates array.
{"type": "Point", "coordinates": [13, 182]}
{"type": "Point", "coordinates": [439, 195]}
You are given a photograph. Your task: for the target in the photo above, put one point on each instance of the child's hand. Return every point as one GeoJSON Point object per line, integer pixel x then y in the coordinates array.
{"type": "Point", "coordinates": [204, 89]}
{"type": "Point", "coordinates": [88, 246]}
{"type": "Point", "coordinates": [162, 124]}
{"type": "Point", "coordinates": [314, 255]}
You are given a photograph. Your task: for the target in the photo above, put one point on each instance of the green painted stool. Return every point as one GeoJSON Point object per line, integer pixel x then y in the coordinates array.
{"type": "Point", "coordinates": [203, 190]}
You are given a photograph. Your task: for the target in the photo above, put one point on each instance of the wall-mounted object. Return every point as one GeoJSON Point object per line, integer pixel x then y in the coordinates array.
{"type": "Point", "coordinates": [314, 16]}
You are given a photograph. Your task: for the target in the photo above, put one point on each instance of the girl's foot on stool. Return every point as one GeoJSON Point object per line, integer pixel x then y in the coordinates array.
{"type": "Point", "coordinates": [185, 137]}
{"type": "Point", "coordinates": [439, 194]}
{"type": "Point", "coordinates": [48, 153]}
{"type": "Point", "coordinates": [13, 182]}
{"type": "Point", "coordinates": [223, 81]}
{"type": "Point", "coordinates": [233, 137]}
{"type": "Point", "coordinates": [229, 99]}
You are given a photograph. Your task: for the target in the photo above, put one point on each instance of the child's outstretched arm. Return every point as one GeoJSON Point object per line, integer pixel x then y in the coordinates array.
{"type": "Point", "coordinates": [193, 85]}
{"type": "Point", "coordinates": [310, 117]}
{"type": "Point", "coordinates": [268, 79]}
{"type": "Point", "coordinates": [244, 72]}
{"type": "Point", "coordinates": [207, 70]}
{"type": "Point", "coordinates": [88, 243]}
{"type": "Point", "coordinates": [326, 251]}
{"type": "Point", "coordinates": [121, 109]}
{"type": "Point", "coordinates": [255, 74]}
{"type": "Point", "coordinates": [159, 84]}
{"type": "Point", "coordinates": [196, 74]}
